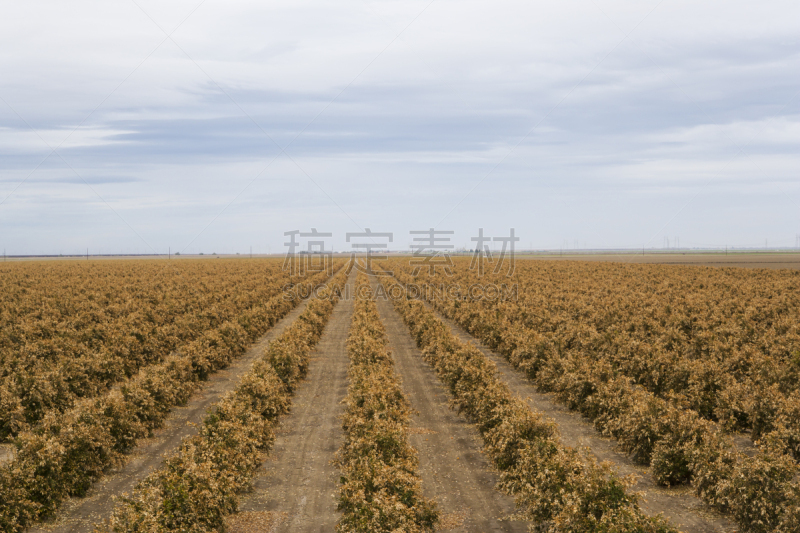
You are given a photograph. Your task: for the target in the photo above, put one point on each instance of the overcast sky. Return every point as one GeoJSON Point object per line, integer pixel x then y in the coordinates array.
{"type": "Point", "coordinates": [134, 126]}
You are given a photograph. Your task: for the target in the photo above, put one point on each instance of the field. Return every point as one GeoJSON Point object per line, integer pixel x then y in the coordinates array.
{"type": "Point", "coordinates": [595, 394]}
{"type": "Point", "coordinates": [771, 260]}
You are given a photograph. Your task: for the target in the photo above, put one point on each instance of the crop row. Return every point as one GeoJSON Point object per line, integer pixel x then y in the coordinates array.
{"type": "Point", "coordinates": [66, 453]}
{"type": "Point", "coordinates": [43, 300]}
{"type": "Point", "coordinates": [760, 492]}
{"type": "Point", "coordinates": [556, 487]}
{"type": "Point", "coordinates": [97, 330]}
{"type": "Point", "coordinates": [381, 491]}
{"type": "Point", "coordinates": [198, 486]}
{"type": "Point", "coordinates": [723, 342]}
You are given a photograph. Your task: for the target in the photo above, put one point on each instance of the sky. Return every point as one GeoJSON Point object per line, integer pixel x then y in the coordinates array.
{"type": "Point", "coordinates": [139, 126]}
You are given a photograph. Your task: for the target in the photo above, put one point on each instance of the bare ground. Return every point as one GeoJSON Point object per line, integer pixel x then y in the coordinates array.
{"type": "Point", "coordinates": [454, 472]}
{"type": "Point", "coordinates": [677, 504]}
{"type": "Point", "coordinates": [78, 515]}
{"type": "Point", "coordinates": [296, 489]}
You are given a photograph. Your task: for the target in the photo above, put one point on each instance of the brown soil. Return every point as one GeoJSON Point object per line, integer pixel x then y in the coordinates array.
{"type": "Point", "coordinates": [297, 487]}
{"type": "Point", "coordinates": [454, 471]}
{"type": "Point", "coordinates": [677, 504]}
{"type": "Point", "coordinates": [79, 515]}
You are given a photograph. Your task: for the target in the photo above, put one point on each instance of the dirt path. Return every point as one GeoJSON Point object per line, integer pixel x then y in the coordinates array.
{"type": "Point", "coordinates": [79, 515]}
{"type": "Point", "coordinates": [297, 487]}
{"type": "Point", "coordinates": [678, 504]}
{"type": "Point", "coordinates": [454, 471]}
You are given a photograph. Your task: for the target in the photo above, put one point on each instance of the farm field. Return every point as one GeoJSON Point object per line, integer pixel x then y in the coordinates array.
{"type": "Point", "coordinates": [578, 397]}
{"type": "Point", "coordinates": [400, 267]}
{"type": "Point", "coordinates": [89, 314]}
{"type": "Point", "coordinates": [692, 371]}
{"type": "Point", "coordinates": [780, 260]}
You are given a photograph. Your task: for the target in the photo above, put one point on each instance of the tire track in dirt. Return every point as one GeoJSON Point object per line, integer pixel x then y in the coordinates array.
{"type": "Point", "coordinates": [454, 472]}
{"type": "Point", "coordinates": [297, 488]}
{"type": "Point", "coordinates": [78, 515]}
{"type": "Point", "coordinates": [678, 504]}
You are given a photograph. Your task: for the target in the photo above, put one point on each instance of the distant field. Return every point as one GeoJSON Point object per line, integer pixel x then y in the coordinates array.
{"type": "Point", "coordinates": [746, 260]}
{"type": "Point", "coordinates": [716, 259]}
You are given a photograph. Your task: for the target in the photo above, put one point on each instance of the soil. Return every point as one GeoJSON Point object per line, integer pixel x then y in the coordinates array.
{"type": "Point", "coordinates": [677, 504]}
{"type": "Point", "coordinates": [297, 487]}
{"type": "Point", "coordinates": [454, 472]}
{"type": "Point", "coordinates": [78, 515]}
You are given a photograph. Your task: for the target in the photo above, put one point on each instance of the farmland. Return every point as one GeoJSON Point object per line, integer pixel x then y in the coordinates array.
{"type": "Point", "coordinates": [569, 396]}
{"type": "Point", "coordinates": [693, 371]}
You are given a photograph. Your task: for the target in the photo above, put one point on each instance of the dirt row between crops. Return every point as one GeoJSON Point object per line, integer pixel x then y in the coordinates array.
{"type": "Point", "coordinates": [296, 488]}
{"type": "Point", "coordinates": [454, 472]}
{"type": "Point", "coordinates": [677, 504]}
{"type": "Point", "coordinates": [78, 515]}
{"type": "Point", "coordinates": [296, 491]}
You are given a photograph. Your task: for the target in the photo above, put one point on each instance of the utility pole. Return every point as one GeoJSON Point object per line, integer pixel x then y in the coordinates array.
{"type": "Point", "coordinates": [87, 254]}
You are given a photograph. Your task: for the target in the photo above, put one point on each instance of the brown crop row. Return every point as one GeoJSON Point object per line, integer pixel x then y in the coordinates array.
{"type": "Point", "coordinates": [557, 488]}
{"type": "Point", "coordinates": [65, 453]}
{"type": "Point", "coordinates": [723, 342]}
{"type": "Point", "coordinates": [381, 491]}
{"type": "Point", "coordinates": [759, 492]}
{"type": "Point", "coordinates": [200, 484]}
{"type": "Point", "coordinates": [73, 331]}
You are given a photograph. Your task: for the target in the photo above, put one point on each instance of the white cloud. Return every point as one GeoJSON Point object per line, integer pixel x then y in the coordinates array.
{"type": "Point", "coordinates": [406, 123]}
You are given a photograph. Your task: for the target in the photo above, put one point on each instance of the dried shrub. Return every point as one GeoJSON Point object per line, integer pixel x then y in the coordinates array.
{"type": "Point", "coordinates": [66, 452]}
{"type": "Point", "coordinates": [199, 486]}
{"type": "Point", "coordinates": [556, 487]}
{"type": "Point", "coordinates": [381, 491]}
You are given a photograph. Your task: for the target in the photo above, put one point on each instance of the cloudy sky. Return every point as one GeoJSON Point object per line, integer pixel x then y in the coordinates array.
{"type": "Point", "coordinates": [136, 125]}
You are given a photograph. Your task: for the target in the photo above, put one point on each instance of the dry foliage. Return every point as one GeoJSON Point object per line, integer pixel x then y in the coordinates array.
{"type": "Point", "coordinates": [555, 487]}
{"type": "Point", "coordinates": [664, 359]}
{"type": "Point", "coordinates": [65, 452]}
{"type": "Point", "coordinates": [70, 331]}
{"type": "Point", "coordinates": [199, 486]}
{"type": "Point", "coordinates": [380, 491]}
